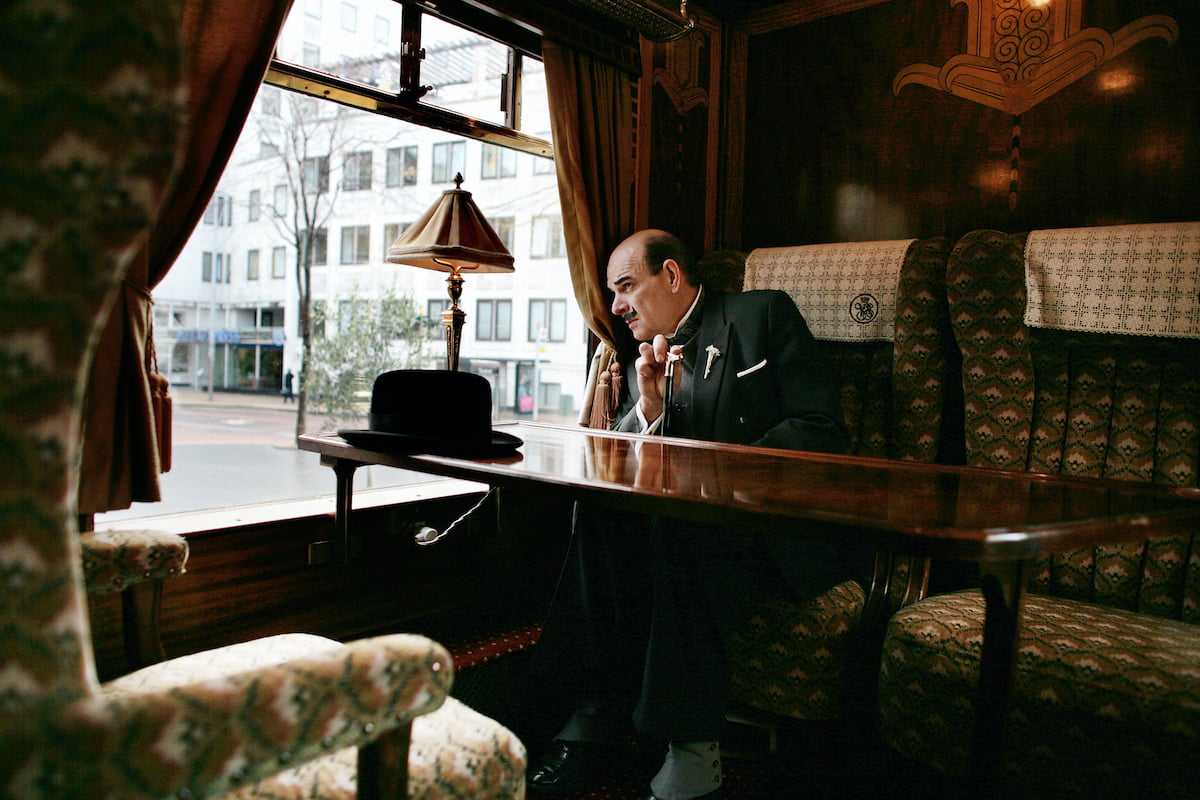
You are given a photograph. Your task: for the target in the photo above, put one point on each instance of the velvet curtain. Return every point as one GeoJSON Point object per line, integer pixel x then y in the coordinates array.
{"type": "Point", "coordinates": [228, 46]}
{"type": "Point", "coordinates": [591, 118]}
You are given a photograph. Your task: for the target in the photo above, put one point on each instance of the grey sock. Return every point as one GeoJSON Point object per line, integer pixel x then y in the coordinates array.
{"type": "Point", "coordinates": [691, 769]}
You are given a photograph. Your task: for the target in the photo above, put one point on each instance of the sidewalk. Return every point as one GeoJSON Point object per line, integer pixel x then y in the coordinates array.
{"type": "Point", "coordinates": [187, 396]}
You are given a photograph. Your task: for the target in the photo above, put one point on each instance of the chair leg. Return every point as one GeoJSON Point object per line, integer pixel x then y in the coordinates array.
{"type": "Point", "coordinates": [383, 766]}
{"type": "Point", "coordinates": [767, 724]}
{"type": "Point", "coordinates": [139, 619]}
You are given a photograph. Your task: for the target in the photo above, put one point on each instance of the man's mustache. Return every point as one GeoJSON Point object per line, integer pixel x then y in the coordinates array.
{"type": "Point", "coordinates": [628, 315]}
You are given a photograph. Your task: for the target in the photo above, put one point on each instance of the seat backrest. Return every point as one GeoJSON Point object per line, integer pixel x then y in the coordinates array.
{"type": "Point", "coordinates": [879, 311]}
{"type": "Point", "coordinates": [82, 181]}
{"type": "Point", "coordinates": [1056, 380]}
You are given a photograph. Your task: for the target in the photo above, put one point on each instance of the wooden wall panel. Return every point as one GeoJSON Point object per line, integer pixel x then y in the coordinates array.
{"type": "Point", "coordinates": [243, 583]}
{"type": "Point", "coordinates": [830, 152]}
{"type": "Point", "coordinates": [679, 134]}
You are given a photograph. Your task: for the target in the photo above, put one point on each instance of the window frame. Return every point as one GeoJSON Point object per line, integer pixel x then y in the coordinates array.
{"type": "Point", "coordinates": [278, 262]}
{"type": "Point", "coordinates": [493, 330]}
{"type": "Point", "coordinates": [357, 233]}
{"type": "Point", "coordinates": [445, 172]}
{"type": "Point", "coordinates": [496, 162]}
{"type": "Point", "coordinates": [400, 157]}
{"type": "Point", "coordinates": [406, 104]}
{"type": "Point", "coordinates": [548, 317]}
{"type": "Point", "coordinates": [357, 167]}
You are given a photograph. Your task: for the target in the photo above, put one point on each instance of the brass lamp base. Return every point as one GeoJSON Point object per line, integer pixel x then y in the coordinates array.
{"type": "Point", "coordinates": [453, 318]}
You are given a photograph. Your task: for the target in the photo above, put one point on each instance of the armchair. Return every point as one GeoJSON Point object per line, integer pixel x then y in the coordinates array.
{"type": "Point", "coordinates": [134, 563]}
{"type": "Point", "coordinates": [1105, 690]}
{"type": "Point", "coordinates": [815, 660]}
{"type": "Point", "coordinates": [285, 716]}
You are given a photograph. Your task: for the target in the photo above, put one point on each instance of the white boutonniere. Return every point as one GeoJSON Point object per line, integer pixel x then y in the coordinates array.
{"type": "Point", "coordinates": [713, 355]}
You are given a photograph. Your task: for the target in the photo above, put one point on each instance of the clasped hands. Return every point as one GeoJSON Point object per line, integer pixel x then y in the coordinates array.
{"type": "Point", "coordinates": [651, 367]}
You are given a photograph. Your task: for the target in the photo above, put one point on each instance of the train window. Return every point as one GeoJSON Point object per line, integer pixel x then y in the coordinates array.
{"type": "Point", "coordinates": [469, 79]}
{"type": "Point", "coordinates": [324, 166]}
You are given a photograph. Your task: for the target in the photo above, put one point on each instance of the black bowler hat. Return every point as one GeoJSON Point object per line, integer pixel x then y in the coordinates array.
{"type": "Point", "coordinates": [441, 412]}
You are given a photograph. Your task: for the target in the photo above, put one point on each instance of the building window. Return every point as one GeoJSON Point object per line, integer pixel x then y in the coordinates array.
{"type": "Point", "coordinates": [402, 166]}
{"type": "Point", "coordinates": [391, 232]}
{"type": "Point", "coordinates": [493, 320]}
{"type": "Point", "coordinates": [498, 162]}
{"type": "Point", "coordinates": [433, 312]}
{"type": "Point", "coordinates": [281, 200]}
{"type": "Point", "coordinates": [547, 320]}
{"type": "Point", "coordinates": [271, 101]}
{"type": "Point", "coordinates": [254, 204]}
{"type": "Point", "coordinates": [314, 175]}
{"type": "Point", "coordinates": [252, 265]}
{"type": "Point", "coordinates": [383, 30]}
{"type": "Point", "coordinates": [356, 171]}
{"type": "Point", "coordinates": [313, 8]}
{"type": "Point", "coordinates": [206, 267]}
{"type": "Point", "coordinates": [308, 108]}
{"type": "Point", "coordinates": [320, 246]}
{"type": "Point", "coordinates": [505, 228]}
{"type": "Point", "coordinates": [219, 268]}
{"type": "Point", "coordinates": [219, 211]}
{"type": "Point", "coordinates": [310, 55]}
{"type": "Point", "coordinates": [449, 159]}
{"type": "Point", "coordinates": [356, 244]}
{"type": "Point", "coordinates": [349, 18]}
{"type": "Point", "coordinates": [547, 238]}
{"type": "Point", "coordinates": [278, 262]}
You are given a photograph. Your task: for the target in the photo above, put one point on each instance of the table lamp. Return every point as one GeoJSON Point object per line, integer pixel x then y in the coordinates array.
{"type": "Point", "coordinates": [453, 236]}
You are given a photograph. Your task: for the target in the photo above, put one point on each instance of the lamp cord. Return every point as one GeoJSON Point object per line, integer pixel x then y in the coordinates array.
{"type": "Point", "coordinates": [422, 537]}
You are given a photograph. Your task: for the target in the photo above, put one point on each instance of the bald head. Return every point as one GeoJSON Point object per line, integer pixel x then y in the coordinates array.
{"type": "Point", "coordinates": [651, 275]}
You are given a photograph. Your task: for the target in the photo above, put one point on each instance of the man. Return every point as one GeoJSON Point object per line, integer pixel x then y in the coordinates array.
{"type": "Point", "coordinates": [640, 620]}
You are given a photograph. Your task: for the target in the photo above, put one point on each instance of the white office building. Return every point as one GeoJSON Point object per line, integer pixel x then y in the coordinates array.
{"type": "Point", "coordinates": [228, 311]}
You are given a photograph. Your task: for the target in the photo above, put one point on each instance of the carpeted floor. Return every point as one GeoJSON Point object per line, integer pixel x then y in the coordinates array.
{"type": "Point", "coordinates": [813, 761]}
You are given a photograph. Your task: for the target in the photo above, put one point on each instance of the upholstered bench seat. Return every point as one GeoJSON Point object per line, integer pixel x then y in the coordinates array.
{"type": "Point", "coordinates": [1123, 687]}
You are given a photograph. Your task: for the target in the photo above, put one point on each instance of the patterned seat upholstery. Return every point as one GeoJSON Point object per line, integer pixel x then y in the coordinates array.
{"type": "Point", "coordinates": [808, 660]}
{"type": "Point", "coordinates": [83, 165]}
{"type": "Point", "coordinates": [1106, 696]}
{"type": "Point", "coordinates": [134, 563]}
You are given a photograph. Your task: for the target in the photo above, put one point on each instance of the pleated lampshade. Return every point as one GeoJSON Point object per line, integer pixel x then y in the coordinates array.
{"type": "Point", "coordinates": [452, 235]}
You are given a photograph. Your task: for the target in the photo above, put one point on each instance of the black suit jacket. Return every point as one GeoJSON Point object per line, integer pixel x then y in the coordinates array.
{"type": "Point", "coordinates": [767, 385]}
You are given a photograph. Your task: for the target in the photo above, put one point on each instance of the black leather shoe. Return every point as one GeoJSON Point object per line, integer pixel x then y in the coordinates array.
{"type": "Point", "coordinates": [568, 767]}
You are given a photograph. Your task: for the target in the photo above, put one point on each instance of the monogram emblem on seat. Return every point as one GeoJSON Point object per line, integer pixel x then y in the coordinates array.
{"type": "Point", "coordinates": [864, 308]}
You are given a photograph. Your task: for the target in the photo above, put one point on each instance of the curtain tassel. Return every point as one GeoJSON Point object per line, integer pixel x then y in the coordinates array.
{"type": "Point", "coordinates": [607, 396]}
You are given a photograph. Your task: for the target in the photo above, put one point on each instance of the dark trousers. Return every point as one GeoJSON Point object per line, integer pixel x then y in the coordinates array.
{"type": "Point", "coordinates": [640, 624]}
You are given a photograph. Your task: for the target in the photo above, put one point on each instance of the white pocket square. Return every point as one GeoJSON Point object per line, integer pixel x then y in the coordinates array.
{"type": "Point", "coordinates": [755, 368]}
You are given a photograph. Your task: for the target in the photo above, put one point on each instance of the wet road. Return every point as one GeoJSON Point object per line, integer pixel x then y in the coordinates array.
{"type": "Point", "coordinates": [238, 450]}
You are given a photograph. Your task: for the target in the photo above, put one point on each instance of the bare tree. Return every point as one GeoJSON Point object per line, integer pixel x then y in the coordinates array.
{"type": "Point", "coordinates": [300, 142]}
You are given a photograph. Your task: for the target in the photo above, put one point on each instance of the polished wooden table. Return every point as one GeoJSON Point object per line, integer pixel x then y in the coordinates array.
{"type": "Point", "coordinates": [998, 519]}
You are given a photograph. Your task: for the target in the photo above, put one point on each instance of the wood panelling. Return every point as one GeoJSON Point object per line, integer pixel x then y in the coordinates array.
{"type": "Point", "coordinates": [255, 581]}
{"type": "Point", "coordinates": [820, 147]}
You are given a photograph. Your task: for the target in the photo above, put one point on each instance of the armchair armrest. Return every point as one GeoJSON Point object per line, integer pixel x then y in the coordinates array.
{"type": "Point", "coordinates": [115, 560]}
{"type": "Point", "coordinates": [202, 725]}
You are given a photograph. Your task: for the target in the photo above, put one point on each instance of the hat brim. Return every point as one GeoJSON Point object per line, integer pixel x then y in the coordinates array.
{"type": "Point", "coordinates": [498, 444]}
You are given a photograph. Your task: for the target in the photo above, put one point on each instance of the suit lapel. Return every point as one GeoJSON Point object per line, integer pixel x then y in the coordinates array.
{"type": "Point", "coordinates": [714, 332]}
